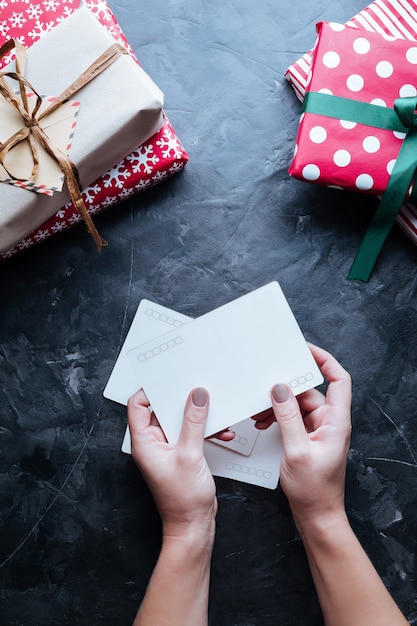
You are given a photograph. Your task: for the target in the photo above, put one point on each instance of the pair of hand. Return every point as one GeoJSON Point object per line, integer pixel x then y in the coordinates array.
{"type": "Point", "coordinates": [315, 431]}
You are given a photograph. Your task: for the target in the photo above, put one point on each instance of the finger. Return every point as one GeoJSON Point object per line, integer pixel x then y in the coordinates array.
{"type": "Point", "coordinates": [310, 400]}
{"type": "Point", "coordinates": [195, 418]}
{"type": "Point", "coordinates": [339, 392]}
{"type": "Point", "coordinates": [266, 423]}
{"type": "Point", "coordinates": [224, 435]}
{"type": "Point", "coordinates": [138, 414]}
{"type": "Point", "coordinates": [264, 419]}
{"type": "Point", "coordinates": [287, 414]}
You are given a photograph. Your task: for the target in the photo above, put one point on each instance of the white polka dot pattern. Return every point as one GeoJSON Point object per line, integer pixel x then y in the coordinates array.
{"type": "Point", "coordinates": [331, 60]}
{"type": "Point", "coordinates": [364, 182]}
{"type": "Point", "coordinates": [408, 91]}
{"type": "Point", "coordinates": [358, 66]}
{"type": "Point", "coordinates": [318, 134]}
{"type": "Point", "coordinates": [411, 55]}
{"type": "Point", "coordinates": [379, 102]}
{"type": "Point", "coordinates": [384, 69]}
{"type": "Point", "coordinates": [355, 82]}
{"type": "Point", "coordinates": [311, 172]}
{"type": "Point", "coordinates": [347, 124]}
{"type": "Point", "coordinates": [342, 158]}
{"type": "Point", "coordinates": [371, 144]}
{"type": "Point", "coordinates": [361, 45]}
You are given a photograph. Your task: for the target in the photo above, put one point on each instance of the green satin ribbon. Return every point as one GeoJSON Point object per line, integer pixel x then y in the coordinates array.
{"type": "Point", "coordinates": [402, 118]}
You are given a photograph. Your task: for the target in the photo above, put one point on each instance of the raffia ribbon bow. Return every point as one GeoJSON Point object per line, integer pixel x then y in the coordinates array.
{"type": "Point", "coordinates": [32, 129]}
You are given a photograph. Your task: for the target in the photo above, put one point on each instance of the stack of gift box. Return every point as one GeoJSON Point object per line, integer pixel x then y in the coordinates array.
{"type": "Point", "coordinates": [357, 127]}
{"type": "Point", "coordinates": [110, 136]}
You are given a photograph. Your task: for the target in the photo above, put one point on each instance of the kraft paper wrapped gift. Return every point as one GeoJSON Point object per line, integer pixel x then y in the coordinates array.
{"type": "Point", "coordinates": [395, 18]}
{"type": "Point", "coordinates": [357, 130]}
{"type": "Point", "coordinates": [120, 109]}
{"type": "Point", "coordinates": [159, 158]}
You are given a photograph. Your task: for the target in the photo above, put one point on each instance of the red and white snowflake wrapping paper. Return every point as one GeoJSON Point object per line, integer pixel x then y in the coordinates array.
{"type": "Point", "coordinates": [159, 158]}
{"type": "Point", "coordinates": [359, 66]}
{"type": "Point", "coordinates": [397, 18]}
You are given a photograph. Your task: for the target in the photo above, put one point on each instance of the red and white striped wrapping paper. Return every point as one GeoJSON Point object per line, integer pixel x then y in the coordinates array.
{"type": "Point", "coordinates": [156, 160]}
{"type": "Point", "coordinates": [397, 18]}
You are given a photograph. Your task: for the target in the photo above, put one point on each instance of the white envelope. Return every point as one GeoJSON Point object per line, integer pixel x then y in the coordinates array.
{"type": "Point", "coordinates": [237, 352]}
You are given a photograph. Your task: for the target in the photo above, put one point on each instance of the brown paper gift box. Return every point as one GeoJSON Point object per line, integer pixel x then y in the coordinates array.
{"type": "Point", "coordinates": [120, 109]}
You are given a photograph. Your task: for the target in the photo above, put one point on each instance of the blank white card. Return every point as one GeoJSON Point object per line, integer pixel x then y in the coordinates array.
{"type": "Point", "coordinates": [237, 352]}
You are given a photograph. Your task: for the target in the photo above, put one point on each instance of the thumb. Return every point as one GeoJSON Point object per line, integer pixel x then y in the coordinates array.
{"type": "Point", "coordinates": [195, 418]}
{"type": "Point", "coordinates": [288, 415]}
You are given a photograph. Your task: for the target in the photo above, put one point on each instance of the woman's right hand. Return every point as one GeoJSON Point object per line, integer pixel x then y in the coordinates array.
{"type": "Point", "coordinates": [315, 431]}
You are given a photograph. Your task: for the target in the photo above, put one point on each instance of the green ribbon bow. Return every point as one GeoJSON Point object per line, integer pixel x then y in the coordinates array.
{"type": "Point", "coordinates": [402, 118]}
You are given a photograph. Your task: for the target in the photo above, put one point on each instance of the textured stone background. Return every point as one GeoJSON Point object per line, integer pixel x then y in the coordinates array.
{"type": "Point", "coordinates": [78, 531]}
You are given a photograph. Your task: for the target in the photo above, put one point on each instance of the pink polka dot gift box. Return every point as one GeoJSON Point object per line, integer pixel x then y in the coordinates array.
{"type": "Point", "coordinates": [356, 130]}
{"type": "Point", "coordinates": [393, 17]}
{"type": "Point", "coordinates": [159, 158]}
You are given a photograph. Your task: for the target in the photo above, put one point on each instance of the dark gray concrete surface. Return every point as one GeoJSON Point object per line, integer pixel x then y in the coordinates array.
{"type": "Point", "coordinates": [79, 534]}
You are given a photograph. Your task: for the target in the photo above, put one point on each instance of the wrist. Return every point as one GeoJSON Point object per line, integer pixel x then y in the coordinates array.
{"type": "Point", "coordinates": [193, 537]}
{"type": "Point", "coordinates": [321, 527]}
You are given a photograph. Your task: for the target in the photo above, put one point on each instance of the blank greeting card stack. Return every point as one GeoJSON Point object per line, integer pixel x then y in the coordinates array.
{"type": "Point", "coordinates": [237, 352]}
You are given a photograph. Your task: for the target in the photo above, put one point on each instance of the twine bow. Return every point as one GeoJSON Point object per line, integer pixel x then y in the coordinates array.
{"type": "Point", "coordinates": [402, 118]}
{"type": "Point", "coordinates": [32, 129]}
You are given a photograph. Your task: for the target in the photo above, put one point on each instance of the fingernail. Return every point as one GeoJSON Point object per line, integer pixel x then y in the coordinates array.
{"type": "Point", "coordinates": [280, 393]}
{"type": "Point", "coordinates": [199, 397]}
